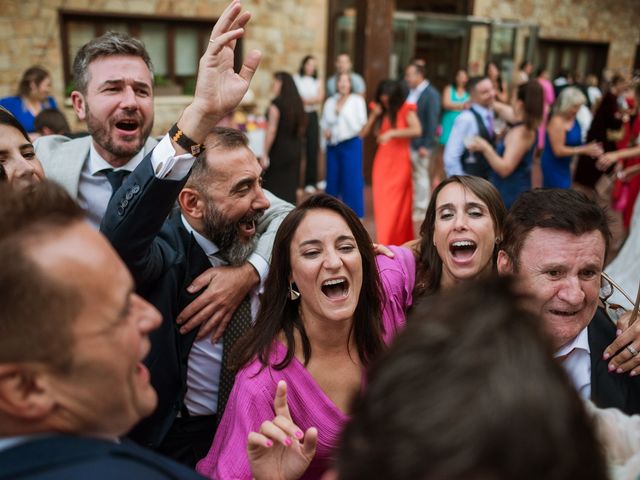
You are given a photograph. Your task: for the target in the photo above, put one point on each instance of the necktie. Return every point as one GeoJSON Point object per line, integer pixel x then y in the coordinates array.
{"type": "Point", "coordinates": [238, 326]}
{"type": "Point", "coordinates": [490, 126]}
{"type": "Point", "coordinates": [115, 178]}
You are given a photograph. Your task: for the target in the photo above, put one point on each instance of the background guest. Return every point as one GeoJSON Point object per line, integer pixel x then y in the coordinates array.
{"type": "Point", "coordinates": [455, 98]}
{"type": "Point", "coordinates": [343, 117]}
{"type": "Point", "coordinates": [564, 140]}
{"type": "Point", "coordinates": [513, 156]}
{"type": "Point", "coordinates": [286, 126]}
{"type": "Point", "coordinates": [33, 96]}
{"type": "Point", "coordinates": [391, 181]}
{"type": "Point", "coordinates": [548, 97]}
{"type": "Point", "coordinates": [607, 129]}
{"type": "Point", "coordinates": [51, 121]}
{"type": "Point", "coordinates": [492, 71]}
{"type": "Point", "coordinates": [311, 90]}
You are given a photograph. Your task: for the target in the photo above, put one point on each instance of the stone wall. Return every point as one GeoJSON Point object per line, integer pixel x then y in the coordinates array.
{"type": "Point", "coordinates": [284, 30]}
{"type": "Point", "coordinates": [616, 22]}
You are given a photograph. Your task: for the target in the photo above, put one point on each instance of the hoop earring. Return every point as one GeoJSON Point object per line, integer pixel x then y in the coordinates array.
{"type": "Point", "coordinates": [293, 294]}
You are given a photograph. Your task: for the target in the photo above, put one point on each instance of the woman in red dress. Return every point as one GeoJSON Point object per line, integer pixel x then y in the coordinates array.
{"type": "Point", "coordinates": [396, 123]}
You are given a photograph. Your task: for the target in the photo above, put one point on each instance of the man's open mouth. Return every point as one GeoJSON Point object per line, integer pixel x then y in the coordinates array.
{"type": "Point", "coordinates": [462, 249]}
{"type": "Point", "coordinates": [128, 125]}
{"type": "Point", "coordinates": [335, 288]}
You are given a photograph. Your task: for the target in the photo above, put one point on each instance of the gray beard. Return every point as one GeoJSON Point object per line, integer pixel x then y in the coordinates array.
{"type": "Point", "coordinates": [225, 234]}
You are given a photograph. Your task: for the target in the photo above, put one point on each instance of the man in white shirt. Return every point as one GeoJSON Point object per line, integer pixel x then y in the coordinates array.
{"type": "Point", "coordinates": [477, 120]}
{"type": "Point", "coordinates": [555, 242]}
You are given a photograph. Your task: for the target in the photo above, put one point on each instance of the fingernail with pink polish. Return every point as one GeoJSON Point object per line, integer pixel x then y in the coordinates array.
{"type": "Point", "coordinates": [299, 435]}
{"type": "Point", "coordinates": [633, 373]}
{"type": "Point", "coordinates": [287, 442]}
{"type": "Point", "coordinates": [619, 370]}
{"type": "Point", "coordinates": [606, 356]}
{"type": "Point", "coordinates": [611, 367]}
{"type": "Point", "coordinates": [269, 443]}
{"type": "Point", "coordinates": [618, 332]}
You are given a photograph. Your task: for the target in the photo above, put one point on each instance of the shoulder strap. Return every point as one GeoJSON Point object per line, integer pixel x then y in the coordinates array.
{"type": "Point", "coordinates": [482, 128]}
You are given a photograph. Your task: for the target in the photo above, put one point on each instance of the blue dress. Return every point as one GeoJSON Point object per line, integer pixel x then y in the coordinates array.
{"type": "Point", "coordinates": [511, 186]}
{"type": "Point", "coordinates": [22, 113]}
{"type": "Point", "coordinates": [556, 171]}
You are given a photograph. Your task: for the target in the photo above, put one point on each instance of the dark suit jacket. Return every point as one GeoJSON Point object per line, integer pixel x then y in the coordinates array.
{"type": "Point", "coordinates": [428, 110]}
{"type": "Point", "coordinates": [164, 259]}
{"type": "Point", "coordinates": [77, 458]}
{"type": "Point", "coordinates": [609, 389]}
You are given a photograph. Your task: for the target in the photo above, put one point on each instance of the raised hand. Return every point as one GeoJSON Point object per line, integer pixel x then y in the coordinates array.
{"type": "Point", "coordinates": [280, 451]}
{"type": "Point", "coordinates": [219, 88]}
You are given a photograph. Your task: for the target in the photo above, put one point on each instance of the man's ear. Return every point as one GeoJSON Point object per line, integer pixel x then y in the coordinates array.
{"type": "Point", "coordinates": [25, 392]}
{"type": "Point", "coordinates": [191, 202]}
{"type": "Point", "coordinates": [504, 264]}
{"type": "Point", "coordinates": [79, 104]}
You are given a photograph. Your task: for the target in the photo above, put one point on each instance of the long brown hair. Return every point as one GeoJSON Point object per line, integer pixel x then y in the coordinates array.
{"type": "Point", "coordinates": [531, 95]}
{"type": "Point", "coordinates": [278, 313]}
{"type": "Point", "coordinates": [429, 267]}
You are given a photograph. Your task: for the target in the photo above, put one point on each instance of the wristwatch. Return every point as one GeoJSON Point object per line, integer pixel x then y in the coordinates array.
{"type": "Point", "coordinates": [185, 142]}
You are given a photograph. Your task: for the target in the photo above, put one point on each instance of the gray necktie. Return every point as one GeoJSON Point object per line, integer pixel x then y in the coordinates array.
{"type": "Point", "coordinates": [240, 323]}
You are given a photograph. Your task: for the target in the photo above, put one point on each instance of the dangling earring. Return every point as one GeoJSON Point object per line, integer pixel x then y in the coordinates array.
{"type": "Point", "coordinates": [293, 294]}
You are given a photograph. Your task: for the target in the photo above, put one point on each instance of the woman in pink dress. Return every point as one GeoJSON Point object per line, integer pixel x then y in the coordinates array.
{"type": "Point", "coordinates": [320, 324]}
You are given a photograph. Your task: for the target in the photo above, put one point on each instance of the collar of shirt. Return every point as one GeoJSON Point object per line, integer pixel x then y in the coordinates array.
{"type": "Point", "coordinates": [577, 363]}
{"type": "Point", "coordinates": [581, 342]}
{"type": "Point", "coordinates": [97, 163]}
{"type": "Point", "coordinates": [210, 248]}
{"type": "Point", "coordinates": [484, 112]}
{"type": "Point", "coordinates": [414, 93]}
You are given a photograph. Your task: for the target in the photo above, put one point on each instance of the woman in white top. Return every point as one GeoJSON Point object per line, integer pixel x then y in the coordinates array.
{"type": "Point", "coordinates": [343, 117]}
{"type": "Point", "coordinates": [312, 92]}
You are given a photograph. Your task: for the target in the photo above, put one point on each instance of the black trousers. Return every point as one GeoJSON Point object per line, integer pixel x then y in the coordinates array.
{"type": "Point", "coordinates": [189, 439]}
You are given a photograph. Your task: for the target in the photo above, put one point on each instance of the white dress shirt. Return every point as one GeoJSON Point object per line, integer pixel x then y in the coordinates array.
{"type": "Point", "coordinates": [578, 363]}
{"type": "Point", "coordinates": [94, 190]}
{"type": "Point", "coordinates": [464, 126]}
{"type": "Point", "coordinates": [414, 93]}
{"type": "Point", "coordinates": [205, 358]}
{"type": "Point", "coordinates": [308, 87]}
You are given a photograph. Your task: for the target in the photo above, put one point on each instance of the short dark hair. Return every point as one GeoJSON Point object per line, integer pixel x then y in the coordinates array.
{"type": "Point", "coordinates": [420, 68]}
{"type": "Point", "coordinates": [473, 395]}
{"type": "Point", "coordinates": [111, 43]}
{"type": "Point", "coordinates": [555, 208]}
{"type": "Point", "coordinates": [278, 313]}
{"type": "Point", "coordinates": [35, 74]}
{"type": "Point", "coordinates": [37, 310]}
{"type": "Point", "coordinates": [53, 119]}
{"type": "Point", "coordinates": [474, 81]}
{"type": "Point", "coordinates": [429, 264]}
{"type": "Point", "coordinates": [225, 138]}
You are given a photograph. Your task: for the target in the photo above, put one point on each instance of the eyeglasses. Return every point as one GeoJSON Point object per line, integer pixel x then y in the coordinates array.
{"type": "Point", "coordinates": [607, 289]}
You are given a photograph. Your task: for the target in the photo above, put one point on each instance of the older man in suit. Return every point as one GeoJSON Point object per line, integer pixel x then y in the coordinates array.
{"type": "Point", "coordinates": [71, 373]}
{"type": "Point", "coordinates": [555, 242]}
{"type": "Point", "coordinates": [114, 94]}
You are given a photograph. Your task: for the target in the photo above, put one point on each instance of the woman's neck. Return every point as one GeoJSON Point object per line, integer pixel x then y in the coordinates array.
{"type": "Point", "coordinates": [327, 336]}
